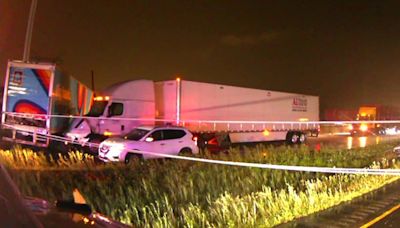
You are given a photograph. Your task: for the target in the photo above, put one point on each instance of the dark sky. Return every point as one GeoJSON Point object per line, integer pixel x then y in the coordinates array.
{"type": "Point", "coordinates": [347, 52]}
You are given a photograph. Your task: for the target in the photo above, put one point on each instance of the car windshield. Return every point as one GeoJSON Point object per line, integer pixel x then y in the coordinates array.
{"type": "Point", "coordinates": [136, 134]}
{"type": "Point", "coordinates": [97, 108]}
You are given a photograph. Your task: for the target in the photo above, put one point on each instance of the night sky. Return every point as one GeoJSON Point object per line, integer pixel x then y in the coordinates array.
{"type": "Point", "coordinates": [347, 52]}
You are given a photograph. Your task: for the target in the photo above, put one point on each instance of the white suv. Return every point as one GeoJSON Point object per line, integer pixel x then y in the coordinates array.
{"type": "Point", "coordinates": [161, 140]}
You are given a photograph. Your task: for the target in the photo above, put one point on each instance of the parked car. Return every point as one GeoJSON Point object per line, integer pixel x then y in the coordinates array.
{"type": "Point", "coordinates": [162, 140]}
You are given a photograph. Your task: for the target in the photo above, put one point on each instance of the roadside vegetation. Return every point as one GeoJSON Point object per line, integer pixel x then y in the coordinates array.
{"type": "Point", "coordinates": [172, 193]}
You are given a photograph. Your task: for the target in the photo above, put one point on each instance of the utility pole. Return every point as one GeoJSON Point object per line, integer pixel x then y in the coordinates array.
{"type": "Point", "coordinates": [29, 29]}
{"type": "Point", "coordinates": [93, 89]}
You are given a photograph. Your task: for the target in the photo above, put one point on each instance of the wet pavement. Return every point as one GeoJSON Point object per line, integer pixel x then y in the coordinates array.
{"type": "Point", "coordinates": [349, 142]}
{"type": "Point", "coordinates": [391, 220]}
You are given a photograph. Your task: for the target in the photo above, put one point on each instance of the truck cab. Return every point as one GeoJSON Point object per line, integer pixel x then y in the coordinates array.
{"type": "Point", "coordinates": [116, 111]}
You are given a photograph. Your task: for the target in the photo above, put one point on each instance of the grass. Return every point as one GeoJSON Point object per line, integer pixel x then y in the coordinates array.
{"type": "Point", "coordinates": [170, 193]}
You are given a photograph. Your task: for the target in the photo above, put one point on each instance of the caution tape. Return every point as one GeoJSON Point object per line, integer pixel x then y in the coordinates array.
{"type": "Point", "coordinates": [332, 170]}
{"type": "Point", "coordinates": [47, 116]}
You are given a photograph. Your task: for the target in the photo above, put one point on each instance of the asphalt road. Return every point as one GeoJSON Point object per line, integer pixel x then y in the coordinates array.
{"type": "Point", "coordinates": [379, 208]}
{"type": "Point", "coordinates": [392, 218]}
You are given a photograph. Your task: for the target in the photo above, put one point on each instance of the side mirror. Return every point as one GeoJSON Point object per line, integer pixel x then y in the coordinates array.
{"type": "Point", "coordinates": [149, 139]}
{"type": "Point", "coordinates": [109, 112]}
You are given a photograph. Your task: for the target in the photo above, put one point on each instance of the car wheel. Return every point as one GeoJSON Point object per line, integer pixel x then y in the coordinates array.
{"type": "Point", "coordinates": [132, 158]}
{"type": "Point", "coordinates": [185, 151]}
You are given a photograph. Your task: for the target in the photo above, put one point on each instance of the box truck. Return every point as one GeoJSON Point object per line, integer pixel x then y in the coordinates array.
{"type": "Point", "coordinates": [217, 114]}
{"type": "Point", "coordinates": [375, 113]}
{"type": "Point", "coordinates": [32, 92]}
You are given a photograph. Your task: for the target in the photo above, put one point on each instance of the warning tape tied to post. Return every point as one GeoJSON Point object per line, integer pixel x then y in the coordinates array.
{"type": "Point", "coordinates": [332, 170]}
{"type": "Point", "coordinates": [46, 116]}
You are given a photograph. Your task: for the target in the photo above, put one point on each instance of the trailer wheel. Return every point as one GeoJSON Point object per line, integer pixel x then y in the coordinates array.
{"type": "Point", "coordinates": [302, 138]}
{"type": "Point", "coordinates": [292, 137]}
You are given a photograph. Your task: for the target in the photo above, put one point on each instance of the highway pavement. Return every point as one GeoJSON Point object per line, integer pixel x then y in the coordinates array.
{"type": "Point", "coordinates": [349, 142]}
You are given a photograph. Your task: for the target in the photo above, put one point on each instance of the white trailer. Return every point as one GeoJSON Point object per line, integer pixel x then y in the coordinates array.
{"type": "Point", "coordinates": [237, 112]}
{"type": "Point", "coordinates": [217, 114]}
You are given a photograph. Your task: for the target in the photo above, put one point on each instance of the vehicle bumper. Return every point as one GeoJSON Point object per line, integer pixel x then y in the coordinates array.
{"type": "Point", "coordinates": [108, 159]}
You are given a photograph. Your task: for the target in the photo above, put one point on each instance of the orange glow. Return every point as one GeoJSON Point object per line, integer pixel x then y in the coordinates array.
{"type": "Point", "coordinates": [362, 141]}
{"type": "Point", "coordinates": [178, 79]}
{"type": "Point", "coordinates": [85, 220]}
{"type": "Point", "coordinates": [107, 133]}
{"type": "Point", "coordinates": [101, 98]}
{"type": "Point", "coordinates": [266, 132]}
{"type": "Point", "coordinates": [349, 143]}
{"type": "Point", "coordinates": [363, 127]}
{"type": "Point", "coordinates": [350, 127]}
{"type": "Point", "coordinates": [303, 119]}
{"type": "Point", "coordinates": [363, 114]}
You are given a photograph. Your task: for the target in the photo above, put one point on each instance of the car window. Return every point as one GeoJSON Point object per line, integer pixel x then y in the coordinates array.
{"type": "Point", "coordinates": [136, 134]}
{"type": "Point", "coordinates": [157, 135]}
{"type": "Point", "coordinates": [116, 109]}
{"type": "Point", "coordinates": [173, 134]}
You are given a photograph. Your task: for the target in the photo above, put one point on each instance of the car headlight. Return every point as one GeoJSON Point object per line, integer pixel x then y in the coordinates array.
{"type": "Point", "coordinates": [363, 127]}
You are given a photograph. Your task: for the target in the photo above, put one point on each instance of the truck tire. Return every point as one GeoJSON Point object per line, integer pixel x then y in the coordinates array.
{"type": "Point", "coordinates": [302, 138]}
{"type": "Point", "coordinates": [292, 137]}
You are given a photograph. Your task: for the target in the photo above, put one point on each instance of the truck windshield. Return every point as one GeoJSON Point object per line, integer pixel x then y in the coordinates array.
{"type": "Point", "coordinates": [97, 108]}
{"type": "Point", "coordinates": [136, 134]}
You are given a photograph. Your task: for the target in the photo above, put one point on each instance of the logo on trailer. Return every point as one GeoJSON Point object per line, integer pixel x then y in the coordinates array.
{"type": "Point", "coordinates": [17, 78]}
{"type": "Point", "coordinates": [299, 104]}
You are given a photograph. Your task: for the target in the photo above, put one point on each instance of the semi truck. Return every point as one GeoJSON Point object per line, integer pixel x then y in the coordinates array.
{"type": "Point", "coordinates": [33, 93]}
{"type": "Point", "coordinates": [217, 114]}
{"type": "Point", "coordinates": [375, 113]}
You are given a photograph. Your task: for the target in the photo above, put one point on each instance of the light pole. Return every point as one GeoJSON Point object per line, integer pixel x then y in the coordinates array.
{"type": "Point", "coordinates": [29, 29]}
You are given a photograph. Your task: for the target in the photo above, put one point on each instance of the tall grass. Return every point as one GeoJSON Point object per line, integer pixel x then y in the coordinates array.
{"type": "Point", "coordinates": [170, 193]}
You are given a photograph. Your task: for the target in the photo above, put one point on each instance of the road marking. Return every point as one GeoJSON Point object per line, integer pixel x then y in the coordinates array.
{"type": "Point", "coordinates": [382, 216]}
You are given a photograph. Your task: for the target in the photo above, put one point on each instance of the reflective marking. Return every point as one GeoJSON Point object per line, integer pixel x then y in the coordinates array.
{"type": "Point", "coordinates": [382, 216]}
